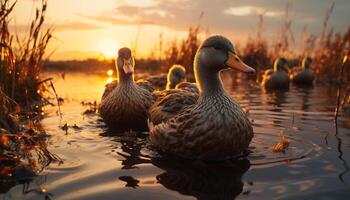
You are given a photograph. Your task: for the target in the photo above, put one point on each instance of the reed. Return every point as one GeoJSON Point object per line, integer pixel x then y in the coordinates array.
{"type": "Point", "coordinates": [326, 48]}
{"type": "Point", "coordinates": [22, 140]}
{"type": "Point", "coordinates": [183, 52]}
{"type": "Point", "coordinates": [20, 70]}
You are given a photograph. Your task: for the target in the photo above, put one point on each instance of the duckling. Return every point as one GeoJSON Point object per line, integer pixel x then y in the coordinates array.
{"type": "Point", "coordinates": [176, 74]}
{"type": "Point", "coordinates": [303, 75]}
{"type": "Point", "coordinates": [214, 127]}
{"type": "Point", "coordinates": [170, 101]}
{"type": "Point", "coordinates": [126, 106]}
{"type": "Point", "coordinates": [278, 79]}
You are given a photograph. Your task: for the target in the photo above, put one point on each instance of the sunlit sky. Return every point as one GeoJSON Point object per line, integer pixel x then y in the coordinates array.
{"type": "Point", "coordinates": [89, 28]}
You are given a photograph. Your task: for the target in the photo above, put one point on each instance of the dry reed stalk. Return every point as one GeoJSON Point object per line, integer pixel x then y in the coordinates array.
{"type": "Point", "coordinates": [339, 95]}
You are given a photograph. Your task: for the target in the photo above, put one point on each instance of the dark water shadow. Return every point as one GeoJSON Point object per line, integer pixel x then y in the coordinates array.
{"type": "Point", "coordinates": [341, 154]}
{"type": "Point", "coordinates": [221, 180]}
{"type": "Point", "coordinates": [203, 180]}
{"type": "Point", "coordinates": [131, 144]}
{"type": "Point", "coordinates": [305, 93]}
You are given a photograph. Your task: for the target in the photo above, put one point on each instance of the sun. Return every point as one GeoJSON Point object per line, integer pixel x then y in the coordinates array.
{"type": "Point", "coordinates": [108, 48]}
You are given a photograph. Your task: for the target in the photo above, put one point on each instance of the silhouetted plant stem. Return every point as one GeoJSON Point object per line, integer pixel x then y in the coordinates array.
{"type": "Point", "coordinates": [336, 112]}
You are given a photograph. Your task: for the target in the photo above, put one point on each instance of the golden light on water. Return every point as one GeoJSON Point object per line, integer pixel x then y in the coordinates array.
{"type": "Point", "coordinates": [109, 80]}
{"type": "Point", "coordinates": [110, 72]}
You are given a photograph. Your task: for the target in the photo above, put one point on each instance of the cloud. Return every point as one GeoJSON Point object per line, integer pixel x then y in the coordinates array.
{"type": "Point", "coordinates": [76, 26]}
{"type": "Point", "coordinates": [250, 10]}
{"type": "Point", "coordinates": [223, 16]}
{"type": "Point", "coordinates": [60, 27]}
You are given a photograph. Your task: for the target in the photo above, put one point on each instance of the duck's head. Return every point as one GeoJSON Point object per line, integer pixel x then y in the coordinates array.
{"type": "Point", "coordinates": [125, 63]}
{"type": "Point", "coordinates": [217, 53]}
{"type": "Point", "coordinates": [306, 63]}
{"type": "Point", "coordinates": [280, 64]}
{"type": "Point", "coordinates": [176, 75]}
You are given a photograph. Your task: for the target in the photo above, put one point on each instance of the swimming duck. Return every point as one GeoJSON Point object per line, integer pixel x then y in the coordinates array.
{"type": "Point", "coordinates": [303, 75]}
{"type": "Point", "coordinates": [176, 74]}
{"type": "Point", "coordinates": [125, 106]}
{"type": "Point", "coordinates": [170, 101]}
{"type": "Point", "coordinates": [278, 78]}
{"type": "Point", "coordinates": [214, 127]}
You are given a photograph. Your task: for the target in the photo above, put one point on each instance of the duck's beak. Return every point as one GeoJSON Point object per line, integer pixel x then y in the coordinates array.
{"type": "Point", "coordinates": [235, 62]}
{"type": "Point", "coordinates": [127, 67]}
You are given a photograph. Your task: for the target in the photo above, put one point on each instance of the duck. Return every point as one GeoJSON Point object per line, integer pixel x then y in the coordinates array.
{"type": "Point", "coordinates": [303, 75]}
{"type": "Point", "coordinates": [278, 78]}
{"type": "Point", "coordinates": [176, 74]}
{"type": "Point", "coordinates": [191, 87]}
{"type": "Point", "coordinates": [170, 102]}
{"type": "Point", "coordinates": [125, 104]}
{"type": "Point", "coordinates": [214, 127]}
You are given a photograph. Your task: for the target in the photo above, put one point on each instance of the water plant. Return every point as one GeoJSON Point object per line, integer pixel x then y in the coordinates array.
{"type": "Point", "coordinates": [23, 142]}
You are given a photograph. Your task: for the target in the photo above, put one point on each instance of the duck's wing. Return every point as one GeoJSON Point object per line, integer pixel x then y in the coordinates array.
{"type": "Point", "coordinates": [145, 85]}
{"type": "Point", "coordinates": [191, 87]}
{"type": "Point", "coordinates": [170, 103]}
{"type": "Point", "coordinates": [158, 82]}
{"type": "Point", "coordinates": [109, 88]}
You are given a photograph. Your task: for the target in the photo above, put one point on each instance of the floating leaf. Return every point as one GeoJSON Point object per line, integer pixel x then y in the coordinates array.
{"type": "Point", "coordinates": [282, 145]}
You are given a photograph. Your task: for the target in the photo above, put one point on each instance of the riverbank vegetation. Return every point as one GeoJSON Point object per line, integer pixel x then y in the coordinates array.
{"type": "Point", "coordinates": [22, 140]}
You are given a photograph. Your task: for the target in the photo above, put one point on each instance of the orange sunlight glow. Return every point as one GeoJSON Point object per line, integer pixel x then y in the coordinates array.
{"type": "Point", "coordinates": [110, 72]}
{"type": "Point", "coordinates": [108, 48]}
{"type": "Point", "coordinates": [109, 80]}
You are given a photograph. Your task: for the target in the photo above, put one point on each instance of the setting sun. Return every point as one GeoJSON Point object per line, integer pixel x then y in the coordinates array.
{"type": "Point", "coordinates": [108, 48]}
{"type": "Point", "coordinates": [110, 72]}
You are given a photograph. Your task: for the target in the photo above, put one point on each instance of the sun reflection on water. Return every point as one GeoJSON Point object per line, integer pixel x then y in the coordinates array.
{"type": "Point", "coordinates": [110, 72]}
{"type": "Point", "coordinates": [109, 80]}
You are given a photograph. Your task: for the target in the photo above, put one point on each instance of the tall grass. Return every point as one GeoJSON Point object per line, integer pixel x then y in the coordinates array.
{"type": "Point", "coordinates": [20, 69]}
{"type": "Point", "coordinates": [183, 52]}
{"type": "Point", "coordinates": [22, 140]}
{"type": "Point", "coordinates": [326, 48]}
{"type": "Point", "coordinates": [329, 55]}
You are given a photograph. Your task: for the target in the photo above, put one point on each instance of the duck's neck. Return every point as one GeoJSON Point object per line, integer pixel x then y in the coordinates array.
{"type": "Point", "coordinates": [125, 78]}
{"type": "Point", "coordinates": [171, 82]}
{"type": "Point", "coordinates": [208, 80]}
{"type": "Point", "coordinates": [306, 67]}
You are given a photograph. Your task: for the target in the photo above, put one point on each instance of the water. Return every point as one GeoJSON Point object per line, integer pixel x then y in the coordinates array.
{"type": "Point", "coordinates": [98, 165]}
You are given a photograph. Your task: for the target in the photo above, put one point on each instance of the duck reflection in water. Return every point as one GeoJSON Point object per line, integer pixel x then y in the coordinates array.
{"type": "Point", "coordinates": [219, 180]}
{"type": "Point", "coordinates": [129, 146]}
{"type": "Point", "coordinates": [203, 180]}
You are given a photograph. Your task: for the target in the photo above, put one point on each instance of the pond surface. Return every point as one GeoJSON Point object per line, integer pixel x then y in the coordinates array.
{"type": "Point", "coordinates": [97, 165]}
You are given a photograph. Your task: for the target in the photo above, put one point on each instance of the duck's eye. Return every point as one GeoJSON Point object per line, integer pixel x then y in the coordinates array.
{"type": "Point", "coordinates": [217, 48]}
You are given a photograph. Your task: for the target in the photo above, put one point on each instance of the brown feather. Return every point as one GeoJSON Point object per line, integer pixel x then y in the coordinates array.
{"type": "Point", "coordinates": [126, 106]}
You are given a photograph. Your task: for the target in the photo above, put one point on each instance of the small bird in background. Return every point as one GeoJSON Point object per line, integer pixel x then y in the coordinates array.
{"type": "Point", "coordinates": [303, 75]}
{"type": "Point", "coordinates": [277, 79]}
